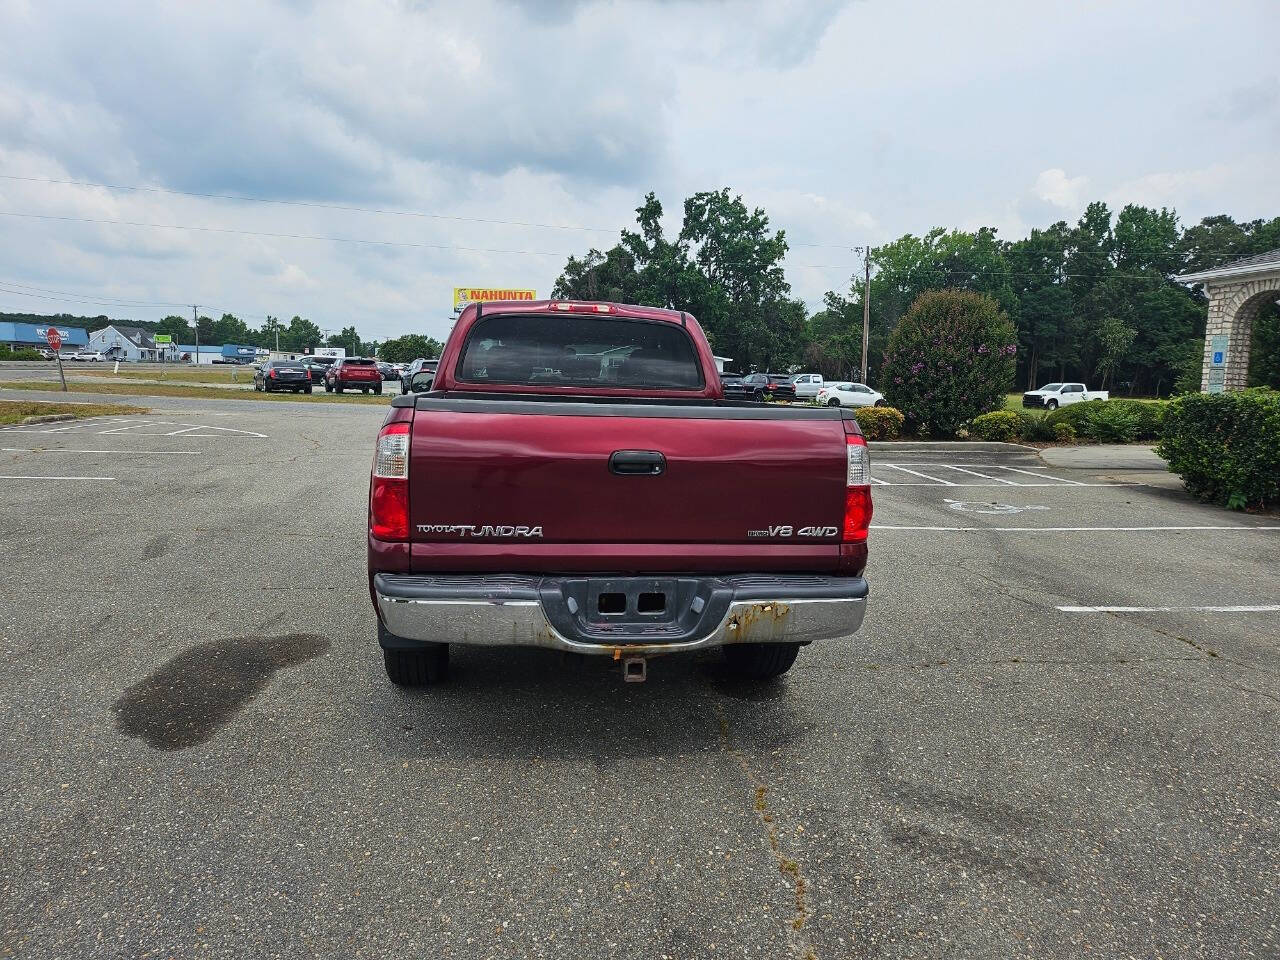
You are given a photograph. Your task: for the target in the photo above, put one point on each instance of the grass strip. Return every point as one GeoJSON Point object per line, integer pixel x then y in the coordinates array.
{"type": "Point", "coordinates": [187, 390]}
{"type": "Point", "coordinates": [15, 411]}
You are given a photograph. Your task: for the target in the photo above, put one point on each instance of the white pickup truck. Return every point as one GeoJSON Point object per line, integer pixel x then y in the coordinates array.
{"type": "Point", "coordinates": [1054, 395]}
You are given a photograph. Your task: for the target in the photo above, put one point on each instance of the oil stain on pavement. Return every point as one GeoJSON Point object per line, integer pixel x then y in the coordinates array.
{"type": "Point", "coordinates": [186, 701]}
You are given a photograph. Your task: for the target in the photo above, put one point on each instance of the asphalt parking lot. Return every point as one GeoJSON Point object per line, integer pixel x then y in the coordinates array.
{"type": "Point", "coordinates": [1055, 737]}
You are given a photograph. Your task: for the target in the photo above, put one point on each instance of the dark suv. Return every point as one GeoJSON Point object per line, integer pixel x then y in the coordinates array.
{"type": "Point", "coordinates": [316, 366]}
{"type": "Point", "coordinates": [355, 373]}
{"type": "Point", "coordinates": [779, 385]}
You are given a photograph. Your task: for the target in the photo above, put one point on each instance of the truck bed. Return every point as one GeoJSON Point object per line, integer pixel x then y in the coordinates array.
{"type": "Point", "coordinates": [553, 484]}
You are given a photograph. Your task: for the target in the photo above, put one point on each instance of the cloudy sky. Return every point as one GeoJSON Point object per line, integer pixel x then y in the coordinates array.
{"type": "Point", "coordinates": [849, 122]}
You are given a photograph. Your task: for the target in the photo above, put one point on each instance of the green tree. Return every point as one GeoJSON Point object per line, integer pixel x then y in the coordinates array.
{"type": "Point", "coordinates": [1114, 339]}
{"type": "Point", "coordinates": [950, 359]}
{"type": "Point", "coordinates": [1048, 327]}
{"type": "Point", "coordinates": [267, 334]}
{"type": "Point", "coordinates": [599, 276]}
{"type": "Point", "coordinates": [907, 267]}
{"type": "Point", "coordinates": [176, 327]}
{"type": "Point", "coordinates": [409, 347]}
{"type": "Point", "coordinates": [833, 344]}
{"type": "Point", "coordinates": [738, 286]}
{"type": "Point", "coordinates": [348, 339]}
{"type": "Point", "coordinates": [300, 335]}
{"type": "Point", "coordinates": [230, 329]}
{"type": "Point", "coordinates": [725, 268]}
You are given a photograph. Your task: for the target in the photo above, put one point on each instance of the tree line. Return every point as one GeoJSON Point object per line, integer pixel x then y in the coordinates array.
{"type": "Point", "coordinates": [295, 336]}
{"type": "Point", "coordinates": [1096, 301]}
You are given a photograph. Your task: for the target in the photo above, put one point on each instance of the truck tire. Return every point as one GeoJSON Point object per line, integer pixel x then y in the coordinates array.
{"type": "Point", "coordinates": [761, 661]}
{"type": "Point", "coordinates": [417, 668]}
{"type": "Point", "coordinates": [1051, 405]}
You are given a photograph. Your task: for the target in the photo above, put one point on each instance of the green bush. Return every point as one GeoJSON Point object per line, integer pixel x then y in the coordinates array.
{"type": "Point", "coordinates": [1034, 427]}
{"type": "Point", "coordinates": [1064, 433]}
{"type": "Point", "coordinates": [949, 359]}
{"type": "Point", "coordinates": [7, 353]}
{"type": "Point", "coordinates": [1225, 446]}
{"type": "Point", "coordinates": [1002, 425]}
{"type": "Point", "coordinates": [1112, 421]}
{"type": "Point", "coordinates": [880, 423]}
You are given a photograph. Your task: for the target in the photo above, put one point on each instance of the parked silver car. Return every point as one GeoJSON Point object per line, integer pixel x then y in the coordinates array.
{"type": "Point", "coordinates": [807, 385]}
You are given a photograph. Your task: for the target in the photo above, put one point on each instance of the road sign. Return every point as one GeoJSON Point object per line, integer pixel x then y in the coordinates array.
{"type": "Point", "coordinates": [1218, 351]}
{"type": "Point", "coordinates": [54, 336]}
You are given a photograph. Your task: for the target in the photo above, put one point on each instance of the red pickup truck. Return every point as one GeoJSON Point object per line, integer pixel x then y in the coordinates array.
{"type": "Point", "coordinates": [574, 480]}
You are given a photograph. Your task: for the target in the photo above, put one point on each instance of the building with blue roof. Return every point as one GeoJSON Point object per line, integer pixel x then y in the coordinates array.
{"type": "Point", "coordinates": [31, 336]}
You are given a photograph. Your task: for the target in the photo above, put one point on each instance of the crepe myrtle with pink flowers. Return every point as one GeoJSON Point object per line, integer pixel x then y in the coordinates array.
{"type": "Point", "coordinates": [949, 359]}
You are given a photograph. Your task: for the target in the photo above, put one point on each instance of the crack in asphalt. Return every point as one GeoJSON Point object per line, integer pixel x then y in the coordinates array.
{"type": "Point", "coordinates": [801, 945]}
{"type": "Point", "coordinates": [1018, 661]}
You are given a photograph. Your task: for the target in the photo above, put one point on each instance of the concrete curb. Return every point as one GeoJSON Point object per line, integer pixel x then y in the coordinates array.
{"type": "Point", "coordinates": [48, 418]}
{"type": "Point", "coordinates": [994, 445]}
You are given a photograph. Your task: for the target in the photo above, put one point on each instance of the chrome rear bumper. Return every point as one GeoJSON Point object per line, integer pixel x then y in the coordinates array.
{"type": "Point", "coordinates": [702, 612]}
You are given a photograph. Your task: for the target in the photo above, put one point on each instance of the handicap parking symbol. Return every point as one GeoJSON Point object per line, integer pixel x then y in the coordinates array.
{"type": "Point", "coordinates": [1217, 358]}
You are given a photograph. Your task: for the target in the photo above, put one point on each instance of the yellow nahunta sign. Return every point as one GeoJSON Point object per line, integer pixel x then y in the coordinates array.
{"type": "Point", "coordinates": [465, 295]}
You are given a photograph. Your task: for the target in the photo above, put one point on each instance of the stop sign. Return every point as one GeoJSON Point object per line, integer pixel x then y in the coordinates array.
{"type": "Point", "coordinates": [54, 338]}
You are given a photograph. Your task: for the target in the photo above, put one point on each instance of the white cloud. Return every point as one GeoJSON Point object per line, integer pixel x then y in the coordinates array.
{"type": "Point", "coordinates": [848, 122]}
{"type": "Point", "coordinates": [1055, 187]}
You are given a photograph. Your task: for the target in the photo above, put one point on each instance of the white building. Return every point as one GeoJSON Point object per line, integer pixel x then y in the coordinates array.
{"type": "Point", "coordinates": [126, 343]}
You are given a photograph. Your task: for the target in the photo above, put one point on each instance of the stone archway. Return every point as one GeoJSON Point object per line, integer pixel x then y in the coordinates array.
{"type": "Point", "coordinates": [1236, 292]}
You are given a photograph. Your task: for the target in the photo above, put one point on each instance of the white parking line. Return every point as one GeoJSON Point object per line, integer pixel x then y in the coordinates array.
{"type": "Point", "coordinates": [1043, 476]}
{"type": "Point", "coordinates": [879, 526]}
{"type": "Point", "coordinates": [894, 466]}
{"type": "Point", "coordinates": [988, 473]}
{"type": "Point", "coordinates": [1262, 608]}
{"type": "Point", "coordinates": [29, 477]}
{"type": "Point", "coordinates": [975, 473]}
{"type": "Point", "coordinates": [131, 426]}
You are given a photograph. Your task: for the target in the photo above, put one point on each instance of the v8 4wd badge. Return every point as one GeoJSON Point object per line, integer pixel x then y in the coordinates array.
{"type": "Point", "coordinates": [788, 530]}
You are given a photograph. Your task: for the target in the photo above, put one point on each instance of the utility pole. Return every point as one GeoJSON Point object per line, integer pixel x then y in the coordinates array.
{"type": "Point", "coordinates": [866, 307]}
{"type": "Point", "coordinates": [195, 324]}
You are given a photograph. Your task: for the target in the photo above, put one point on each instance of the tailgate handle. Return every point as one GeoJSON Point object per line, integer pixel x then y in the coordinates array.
{"type": "Point", "coordinates": [637, 463]}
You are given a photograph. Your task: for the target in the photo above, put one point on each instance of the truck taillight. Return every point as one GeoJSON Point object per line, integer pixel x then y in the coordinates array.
{"type": "Point", "coordinates": [389, 486]}
{"type": "Point", "coordinates": [582, 307]}
{"type": "Point", "coordinates": [857, 495]}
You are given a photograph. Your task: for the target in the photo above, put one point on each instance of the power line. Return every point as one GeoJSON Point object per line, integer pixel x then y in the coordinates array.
{"type": "Point", "coordinates": [105, 299]}
{"type": "Point", "coordinates": [1220, 253]}
{"type": "Point", "coordinates": [356, 240]}
{"type": "Point", "coordinates": [350, 208]}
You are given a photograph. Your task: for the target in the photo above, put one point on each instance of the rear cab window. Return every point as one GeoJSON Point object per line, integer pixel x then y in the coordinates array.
{"type": "Point", "coordinates": [579, 351]}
